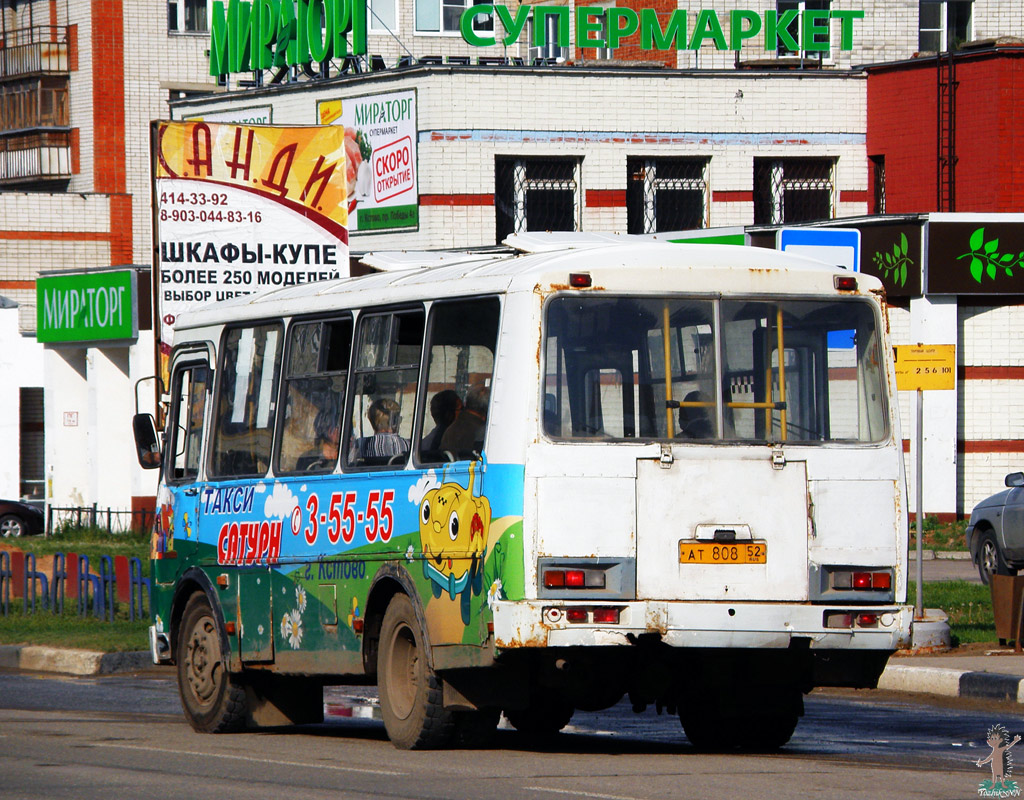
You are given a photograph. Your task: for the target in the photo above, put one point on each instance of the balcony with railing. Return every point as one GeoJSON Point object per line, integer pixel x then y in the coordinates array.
{"type": "Point", "coordinates": [34, 50]}
{"type": "Point", "coordinates": [42, 156]}
{"type": "Point", "coordinates": [35, 133]}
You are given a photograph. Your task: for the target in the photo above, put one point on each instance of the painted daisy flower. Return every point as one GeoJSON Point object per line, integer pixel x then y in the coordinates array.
{"type": "Point", "coordinates": [291, 628]}
{"type": "Point", "coordinates": [300, 598]}
{"type": "Point", "coordinates": [409, 553]}
{"type": "Point", "coordinates": [494, 593]}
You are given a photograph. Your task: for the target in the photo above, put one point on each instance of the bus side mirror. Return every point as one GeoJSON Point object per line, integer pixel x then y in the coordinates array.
{"type": "Point", "coordinates": [147, 444]}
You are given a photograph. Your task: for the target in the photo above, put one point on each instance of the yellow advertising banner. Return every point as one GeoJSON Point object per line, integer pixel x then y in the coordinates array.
{"type": "Point", "coordinates": [925, 366]}
{"type": "Point", "coordinates": [301, 167]}
{"type": "Point", "coordinates": [241, 208]}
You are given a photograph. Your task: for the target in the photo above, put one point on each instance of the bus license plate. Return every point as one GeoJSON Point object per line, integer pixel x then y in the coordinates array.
{"type": "Point", "coordinates": [723, 552]}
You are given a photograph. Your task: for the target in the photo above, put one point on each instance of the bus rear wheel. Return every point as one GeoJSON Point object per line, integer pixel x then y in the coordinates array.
{"type": "Point", "coordinates": [763, 723]}
{"type": "Point", "coordinates": [546, 715]}
{"type": "Point", "coordinates": [766, 732]}
{"type": "Point", "coordinates": [214, 701]}
{"type": "Point", "coordinates": [411, 701]}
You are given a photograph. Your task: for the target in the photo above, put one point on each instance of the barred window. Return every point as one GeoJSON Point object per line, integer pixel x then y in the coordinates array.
{"type": "Point", "coordinates": [666, 194]}
{"type": "Point", "coordinates": [793, 190]}
{"type": "Point", "coordinates": [536, 194]}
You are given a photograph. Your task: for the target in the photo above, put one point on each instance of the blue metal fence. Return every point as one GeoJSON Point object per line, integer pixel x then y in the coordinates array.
{"type": "Point", "coordinates": [97, 589]}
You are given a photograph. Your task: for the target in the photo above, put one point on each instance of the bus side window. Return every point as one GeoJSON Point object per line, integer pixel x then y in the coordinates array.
{"type": "Point", "coordinates": [191, 384]}
{"type": "Point", "coordinates": [386, 373]}
{"type": "Point", "coordinates": [463, 336]}
{"type": "Point", "coordinates": [244, 425]}
{"type": "Point", "coordinates": [314, 395]}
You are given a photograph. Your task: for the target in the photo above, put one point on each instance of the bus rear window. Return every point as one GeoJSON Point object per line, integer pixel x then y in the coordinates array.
{"type": "Point", "coordinates": [707, 369]}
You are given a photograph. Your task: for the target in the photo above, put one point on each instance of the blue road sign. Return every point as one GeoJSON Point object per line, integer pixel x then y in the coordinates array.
{"type": "Point", "coordinates": [839, 246]}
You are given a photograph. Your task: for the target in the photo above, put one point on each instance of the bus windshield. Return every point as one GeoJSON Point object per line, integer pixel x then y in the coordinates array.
{"type": "Point", "coordinates": [749, 370]}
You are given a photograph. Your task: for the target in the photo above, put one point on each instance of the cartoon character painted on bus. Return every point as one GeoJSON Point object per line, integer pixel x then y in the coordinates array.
{"type": "Point", "coordinates": [453, 530]}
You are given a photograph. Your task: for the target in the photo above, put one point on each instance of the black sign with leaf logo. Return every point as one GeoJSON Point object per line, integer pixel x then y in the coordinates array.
{"type": "Point", "coordinates": [892, 253]}
{"type": "Point", "coordinates": [981, 257]}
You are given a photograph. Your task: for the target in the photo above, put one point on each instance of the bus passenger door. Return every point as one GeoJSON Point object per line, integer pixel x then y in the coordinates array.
{"type": "Point", "coordinates": [177, 531]}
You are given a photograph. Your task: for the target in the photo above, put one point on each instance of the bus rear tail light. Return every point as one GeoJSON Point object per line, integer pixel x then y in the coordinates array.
{"type": "Point", "coordinates": [554, 578]}
{"type": "Point", "coordinates": [838, 619]}
{"type": "Point", "coordinates": [580, 280]}
{"type": "Point", "coordinates": [847, 619]}
{"type": "Point", "coordinates": [846, 283]}
{"type": "Point", "coordinates": [606, 616]}
{"type": "Point", "coordinates": [574, 579]}
{"type": "Point", "coordinates": [602, 615]}
{"type": "Point", "coordinates": [862, 580]}
{"type": "Point", "coordinates": [881, 580]}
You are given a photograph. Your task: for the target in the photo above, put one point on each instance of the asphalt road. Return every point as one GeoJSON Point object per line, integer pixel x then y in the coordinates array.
{"type": "Point", "coordinates": [942, 569]}
{"type": "Point", "coordinates": [125, 736]}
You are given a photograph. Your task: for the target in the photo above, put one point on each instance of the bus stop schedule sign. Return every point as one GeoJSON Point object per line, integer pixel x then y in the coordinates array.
{"type": "Point", "coordinates": [839, 246]}
{"type": "Point", "coordinates": [925, 367]}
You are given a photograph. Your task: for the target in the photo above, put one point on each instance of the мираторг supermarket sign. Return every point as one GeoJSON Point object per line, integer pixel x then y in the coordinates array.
{"type": "Point", "coordinates": [267, 34]}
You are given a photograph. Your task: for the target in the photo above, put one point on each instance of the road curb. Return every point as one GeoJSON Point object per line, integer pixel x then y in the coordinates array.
{"type": "Point", "coordinates": [952, 682]}
{"type": "Point", "coordinates": [941, 555]}
{"type": "Point", "coordinates": [896, 677]}
{"type": "Point", "coordinates": [72, 662]}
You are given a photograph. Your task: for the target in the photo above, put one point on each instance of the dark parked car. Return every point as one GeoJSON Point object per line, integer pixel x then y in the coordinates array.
{"type": "Point", "coordinates": [20, 519]}
{"type": "Point", "coordinates": [995, 534]}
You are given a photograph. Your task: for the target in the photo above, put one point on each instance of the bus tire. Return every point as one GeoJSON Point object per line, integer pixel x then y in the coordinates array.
{"type": "Point", "coordinates": [545, 716]}
{"type": "Point", "coordinates": [213, 700]}
{"type": "Point", "coordinates": [766, 732]}
{"type": "Point", "coordinates": [711, 732]}
{"type": "Point", "coordinates": [411, 701]}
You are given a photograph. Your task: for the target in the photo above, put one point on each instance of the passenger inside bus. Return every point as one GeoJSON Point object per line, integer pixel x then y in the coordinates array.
{"type": "Point", "coordinates": [694, 422]}
{"type": "Point", "coordinates": [465, 436]}
{"type": "Point", "coordinates": [385, 443]}
{"type": "Point", "coordinates": [444, 408]}
{"type": "Point", "coordinates": [327, 427]}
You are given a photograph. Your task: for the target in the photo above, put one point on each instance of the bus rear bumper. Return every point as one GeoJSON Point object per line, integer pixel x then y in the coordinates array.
{"type": "Point", "coordinates": [545, 623]}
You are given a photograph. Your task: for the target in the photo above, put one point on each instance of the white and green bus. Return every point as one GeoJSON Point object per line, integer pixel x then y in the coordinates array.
{"type": "Point", "coordinates": [534, 482]}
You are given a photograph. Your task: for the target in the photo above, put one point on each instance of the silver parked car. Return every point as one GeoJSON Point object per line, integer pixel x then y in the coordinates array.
{"type": "Point", "coordinates": [995, 534]}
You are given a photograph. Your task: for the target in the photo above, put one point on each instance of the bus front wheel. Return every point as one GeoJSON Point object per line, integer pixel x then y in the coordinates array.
{"type": "Point", "coordinates": [411, 701]}
{"type": "Point", "coordinates": [213, 700]}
